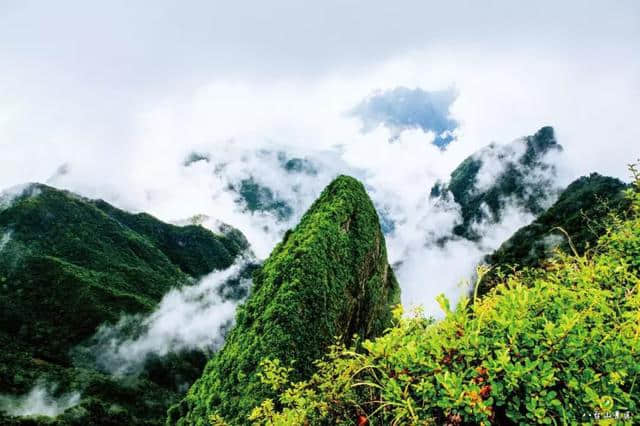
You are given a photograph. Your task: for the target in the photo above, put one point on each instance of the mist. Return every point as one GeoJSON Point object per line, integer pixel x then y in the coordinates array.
{"type": "Point", "coordinates": [125, 102]}
{"type": "Point", "coordinates": [191, 317]}
{"type": "Point", "coordinates": [4, 240]}
{"type": "Point", "coordinates": [39, 401]}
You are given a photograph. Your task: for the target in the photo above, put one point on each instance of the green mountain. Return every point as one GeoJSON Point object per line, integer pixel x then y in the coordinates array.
{"type": "Point", "coordinates": [581, 211]}
{"type": "Point", "coordinates": [486, 181]}
{"type": "Point", "coordinates": [557, 344]}
{"type": "Point", "coordinates": [69, 264]}
{"type": "Point", "coordinates": [328, 278]}
{"type": "Point", "coordinates": [552, 342]}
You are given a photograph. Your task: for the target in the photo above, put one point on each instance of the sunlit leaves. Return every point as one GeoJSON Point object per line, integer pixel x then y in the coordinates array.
{"type": "Point", "coordinates": [545, 346]}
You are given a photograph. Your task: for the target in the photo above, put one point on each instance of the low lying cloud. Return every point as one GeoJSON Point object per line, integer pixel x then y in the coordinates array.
{"type": "Point", "coordinates": [4, 240]}
{"type": "Point", "coordinates": [10, 195]}
{"type": "Point", "coordinates": [435, 258]}
{"type": "Point", "coordinates": [237, 130]}
{"type": "Point", "coordinates": [495, 160]}
{"type": "Point", "coordinates": [431, 268]}
{"type": "Point", "coordinates": [402, 108]}
{"type": "Point", "coordinates": [192, 317]}
{"type": "Point", "coordinates": [38, 402]}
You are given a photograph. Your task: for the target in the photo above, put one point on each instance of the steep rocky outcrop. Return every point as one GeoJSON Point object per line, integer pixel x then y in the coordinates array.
{"type": "Point", "coordinates": [519, 173]}
{"type": "Point", "coordinates": [329, 277]}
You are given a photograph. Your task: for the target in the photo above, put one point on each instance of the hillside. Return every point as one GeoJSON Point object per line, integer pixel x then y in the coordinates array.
{"type": "Point", "coordinates": [521, 350]}
{"type": "Point", "coordinates": [69, 264]}
{"type": "Point", "coordinates": [581, 210]}
{"type": "Point", "coordinates": [329, 277]}
{"type": "Point", "coordinates": [518, 173]}
{"type": "Point", "coordinates": [557, 345]}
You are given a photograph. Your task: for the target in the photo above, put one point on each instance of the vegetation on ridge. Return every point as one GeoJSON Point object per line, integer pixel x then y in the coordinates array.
{"type": "Point", "coordinates": [328, 277]}
{"type": "Point", "coordinates": [581, 211]}
{"type": "Point", "coordinates": [67, 265]}
{"type": "Point", "coordinates": [559, 345]}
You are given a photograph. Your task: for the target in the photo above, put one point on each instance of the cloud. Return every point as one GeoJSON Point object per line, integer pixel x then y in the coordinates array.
{"type": "Point", "coordinates": [434, 256]}
{"type": "Point", "coordinates": [10, 195]}
{"type": "Point", "coordinates": [4, 240]}
{"type": "Point", "coordinates": [550, 242]}
{"type": "Point", "coordinates": [40, 401]}
{"type": "Point", "coordinates": [192, 317]}
{"type": "Point", "coordinates": [402, 108]}
{"type": "Point", "coordinates": [124, 105]}
{"type": "Point", "coordinates": [430, 268]}
{"type": "Point", "coordinates": [282, 37]}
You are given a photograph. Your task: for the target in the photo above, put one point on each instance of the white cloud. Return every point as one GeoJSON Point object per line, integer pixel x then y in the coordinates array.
{"type": "Point", "coordinates": [192, 317]}
{"type": "Point", "coordinates": [9, 195]}
{"type": "Point", "coordinates": [38, 402]}
{"type": "Point", "coordinates": [124, 104]}
{"type": "Point", "coordinates": [4, 240]}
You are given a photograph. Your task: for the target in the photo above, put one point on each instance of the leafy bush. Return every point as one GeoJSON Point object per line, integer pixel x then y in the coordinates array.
{"type": "Point", "coordinates": [551, 346]}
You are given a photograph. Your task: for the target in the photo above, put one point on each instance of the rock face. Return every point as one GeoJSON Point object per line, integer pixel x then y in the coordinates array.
{"type": "Point", "coordinates": [69, 264]}
{"type": "Point", "coordinates": [329, 277]}
{"type": "Point", "coordinates": [496, 175]}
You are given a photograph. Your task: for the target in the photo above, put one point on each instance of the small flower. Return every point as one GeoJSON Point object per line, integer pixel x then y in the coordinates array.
{"type": "Point", "coordinates": [485, 391]}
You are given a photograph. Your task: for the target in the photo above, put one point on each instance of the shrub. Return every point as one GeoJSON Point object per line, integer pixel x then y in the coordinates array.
{"type": "Point", "coordinates": [553, 346]}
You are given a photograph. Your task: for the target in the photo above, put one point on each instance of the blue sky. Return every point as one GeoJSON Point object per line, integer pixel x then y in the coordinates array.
{"type": "Point", "coordinates": [402, 108]}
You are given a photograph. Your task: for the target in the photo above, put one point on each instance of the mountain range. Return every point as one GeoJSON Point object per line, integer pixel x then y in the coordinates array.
{"type": "Point", "coordinates": [71, 265]}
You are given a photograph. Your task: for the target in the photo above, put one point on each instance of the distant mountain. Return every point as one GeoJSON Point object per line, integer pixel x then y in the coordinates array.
{"type": "Point", "coordinates": [582, 211]}
{"type": "Point", "coordinates": [255, 197]}
{"type": "Point", "coordinates": [69, 264]}
{"type": "Point", "coordinates": [195, 250]}
{"type": "Point", "coordinates": [251, 194]}
{"type": "Point", "coordinates": [329, 277]}
{"type": "Point", "coordinates": [486, 182]}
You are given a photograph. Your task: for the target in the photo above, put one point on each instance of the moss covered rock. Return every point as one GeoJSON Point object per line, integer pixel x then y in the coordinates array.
{"type": "Point", "coordinates": [555, 345]}
{"type": "Point", "coordinates": [329, 277]}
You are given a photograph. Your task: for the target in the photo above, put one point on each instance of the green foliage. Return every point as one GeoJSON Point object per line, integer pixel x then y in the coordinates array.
{"type": "Point", "coordinates": [105, 400]}
{"type": "Point", "coordinates": [271, 373]}
{"type": "Point", "coordinates": [194, 249]}
{"type": "Point", "coordinates": [67, 265]}
{"type": "Point", "coordinates": [328, 277]}
{"type": "Point", "coordinates": [545, 346]}
{"type": "Point", "coordinates": [583, 211]}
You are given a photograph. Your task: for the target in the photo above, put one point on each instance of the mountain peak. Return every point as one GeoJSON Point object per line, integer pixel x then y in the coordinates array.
{"type": "Point", "coordinates": [542, 142]}
{"type": "Point", "coordinates": [486, 181]}
{"type": "Point", "coordinates": [328, 278]}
